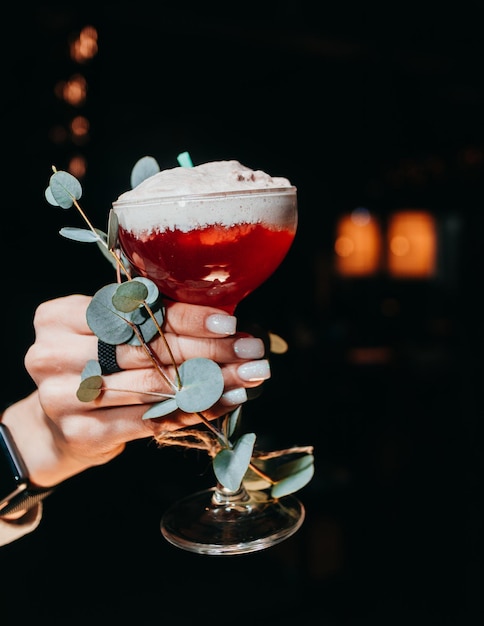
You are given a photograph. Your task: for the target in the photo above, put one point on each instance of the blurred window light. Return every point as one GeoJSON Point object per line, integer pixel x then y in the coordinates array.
{"type": "Point", "coordinates": [358, 245]}
{"type": "Point", "coordinates": [80, 129]}
{"type": "Point", "coordinates": [77, 166]}
{"type": "Point", "coordinates": [72, 91]}
{"type": "Point", "coordinates": [412, 244]}
{"type": "Point", "coordinates": [84, 47]}
{"type": "Point", "coordinates": [80, 125]}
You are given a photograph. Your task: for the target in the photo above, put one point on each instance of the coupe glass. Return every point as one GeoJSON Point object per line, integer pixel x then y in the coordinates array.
{"type": "Point", "coordinates": [215, 249]}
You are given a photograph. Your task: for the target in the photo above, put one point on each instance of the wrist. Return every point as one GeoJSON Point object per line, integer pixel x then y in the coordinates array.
{"type": "Point", "coordinates": [17, 494]}
{"type": "Point", "coordinates": [34, 441]}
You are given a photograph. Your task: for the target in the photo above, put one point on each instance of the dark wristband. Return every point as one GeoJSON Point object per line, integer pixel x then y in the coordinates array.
{"type": "Point", "coordinates": [16, 491]}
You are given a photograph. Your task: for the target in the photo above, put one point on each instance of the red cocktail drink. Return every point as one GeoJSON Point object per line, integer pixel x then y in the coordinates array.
{"type": "Point", "coordinates": [210, 235]}
{"type": "Point", "coordinates": [212, 249]}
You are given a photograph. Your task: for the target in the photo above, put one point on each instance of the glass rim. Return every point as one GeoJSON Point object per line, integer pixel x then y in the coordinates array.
{"type": "Point", "coordinates": [273, 191]}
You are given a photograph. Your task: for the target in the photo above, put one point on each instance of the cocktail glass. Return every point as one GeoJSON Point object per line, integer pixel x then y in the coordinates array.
{"type": "Point", "coordinates": [215, 249]}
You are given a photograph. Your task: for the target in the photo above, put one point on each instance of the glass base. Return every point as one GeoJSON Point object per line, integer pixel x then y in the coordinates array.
{"type": "Point", "coordinates": [220, 522]}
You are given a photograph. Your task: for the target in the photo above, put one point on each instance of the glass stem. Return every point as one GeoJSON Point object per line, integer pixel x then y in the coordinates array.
{"type": "Point", "coordinates": [228, 497]}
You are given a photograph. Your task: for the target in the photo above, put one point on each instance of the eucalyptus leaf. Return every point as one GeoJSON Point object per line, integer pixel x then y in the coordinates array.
{"type": "Point", "coordinates": [113, 227]}
{"type": "Point", "coordinates": [79, 234]}
{"type": "Point", "coordinates": [65, 188]}
{"type": "Point", "coordinates": [105, 322]}
{"type": "Point", "coordinates": [153, 292]}
{"type": "Point", "coordinates": [202, 385]}
{"type": "Point", "coordinates": [254, 482]}
{"type": "Point", "coordinates": [139, 316]}
{"type": "Point", "coordinates": [102, 243]}
{"type": "Point", "coordinates": [160, 409]}
{"type": "Point", "coordinates": [144, 168]}
{"type": "Point", "coordinates": [129, 296]}
{"type": "Point", "coordinates": [146, 327]}
{"type": "Point", "coordinates": [294, 482]}
{"type": "Point", "coordinates": [89, 389]}
{"type": "Point", "coordinates": [232, 420]}
{"type": "Point", "coordinates": [92, 368]}
{"type": "Point", "coordinates": [50, 198]}
{"type": "Point", "coordinates": [230, 466]}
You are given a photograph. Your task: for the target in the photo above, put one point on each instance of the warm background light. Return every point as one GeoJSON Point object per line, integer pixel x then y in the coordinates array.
{"type": "Point", "coordinates": [72, 91]}
{"type": "Point", "coordinates": [412, 244]}
{"type": "Point", "coordinates": [84, 47]}
{"type": "Point", "coordinates": [77, 166]}
{"type": "Point", "coordinates": [358, 244]}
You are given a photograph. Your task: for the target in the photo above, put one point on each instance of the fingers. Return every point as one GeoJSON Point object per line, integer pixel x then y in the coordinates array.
{"type": "Point", "coordinates": [148, 385]}
{"type": "Point", "coordinates": [197, 321]}
{"type": "Point", "coordinates": [93, 430]}
{"type": "Point", "coordinates": [51, 355]}
{"type": "Point", "coordinates": [66, 314]}
{"type": "Point", "coordinates": [64, 344]}
{"type": "Point", "coordinates": [63, 338]}
{"type": "Point", "coordinates": [222, 350]}
{"type": "Point", "coordinates": [69, 313]}
{"type": "Point", "coordinates": [58, 391]}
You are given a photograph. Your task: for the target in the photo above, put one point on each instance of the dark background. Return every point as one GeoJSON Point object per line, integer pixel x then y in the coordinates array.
{"type": "Point", "coordinates": [376, 105]}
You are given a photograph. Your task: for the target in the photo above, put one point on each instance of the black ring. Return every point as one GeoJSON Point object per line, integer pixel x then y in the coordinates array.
{"type": "Point", "coordinates": [106, 354]}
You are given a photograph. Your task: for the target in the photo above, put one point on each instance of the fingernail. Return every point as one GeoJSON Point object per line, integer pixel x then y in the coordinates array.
{"type": "Point", "coordinates": [221, 324]}
{"type": "Point", "coordinates": [249, 348]}
{"type": "Point", "coordinates": [234, 396]}
{"type": "Point", "coordinates": [254, 370]}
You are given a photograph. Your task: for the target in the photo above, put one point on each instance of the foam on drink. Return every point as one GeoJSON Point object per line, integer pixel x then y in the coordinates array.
{"type": "Point", "coordinates": [189, 197]}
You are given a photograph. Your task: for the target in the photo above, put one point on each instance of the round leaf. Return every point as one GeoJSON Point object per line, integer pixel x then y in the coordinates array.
{"type": "Point", "coordinates": [160, 409]}
{"type": "Point", "coordinates": [105, 322]}
{"type": "Point", "coordinates": [65, 188]}
{"type": "Point", "coordinates": [50, 198]}
{"type": "Point", "coordinates": [202, 385]}
{"type": "Point", "coordinates": [293, 483]}
{"type": "Point", "coordinates": [89, 389]}
{"type": "Point", "coordinates": [92, 368]}
{"type": "Point", "coordinates": [146, 326]}
{"type": "Point", "coordinates": [79, 234]}
{"type": "Point", "coordinates": [230, 466]}
{"type": "Point", "coordinates": [129, 296]}
{"type": "Point", "coordinates": [144, 168]}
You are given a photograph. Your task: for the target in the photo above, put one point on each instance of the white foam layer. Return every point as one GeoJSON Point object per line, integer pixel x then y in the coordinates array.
{"type": "Point", "coordinates": [212, 177]}
{"type": "Point", "coordinates": [223, 192]}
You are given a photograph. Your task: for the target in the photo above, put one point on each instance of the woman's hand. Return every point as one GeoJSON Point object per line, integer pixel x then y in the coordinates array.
{"type": "Point", "coordinates": [60, 436]}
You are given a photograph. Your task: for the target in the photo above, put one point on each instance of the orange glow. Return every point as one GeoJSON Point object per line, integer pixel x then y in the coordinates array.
{"type": "Point", "coordinates": [72, 91]}
{"type": "Point", "coordinates": [80, 130]}
{"type": "Point", "coordinates": [85, 46]}
{"type": "Point", "coordinates": [412, 244]}
{"type": "Point", "coordinates": [77, 166]}
{"type": "Point", "coordinates": [80, 126]}
{"type": "Point", "coordinates": [358, 244]}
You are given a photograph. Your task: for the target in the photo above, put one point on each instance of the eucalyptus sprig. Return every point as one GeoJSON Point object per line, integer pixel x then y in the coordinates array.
{"type": "Point", "coordinates": [131, 311]}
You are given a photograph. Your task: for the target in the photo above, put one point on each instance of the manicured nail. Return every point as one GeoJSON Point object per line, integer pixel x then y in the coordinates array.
{"type": "Point", "coordinates": [249, 348]}
{"type": "Point", "coordinates": [254, 370]}
{"type": "Point", "coordinates": [221, 324]}
{"type": "Point", "coordinates": [234, 396]}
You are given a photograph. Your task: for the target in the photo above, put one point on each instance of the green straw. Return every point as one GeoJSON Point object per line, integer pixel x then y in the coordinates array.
{"type": "Point", "coordinates": [184, 159]}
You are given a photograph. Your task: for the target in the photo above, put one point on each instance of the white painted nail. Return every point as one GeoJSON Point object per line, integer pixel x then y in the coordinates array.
{"type": "Point", "coordinates": [234, 396]}
{"type": "Point", "coordinates": [249, 348]}
{"type": "Point", "coordinates": [254, 370]}
{"type": "Point", "coordinates": [221, 324]}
